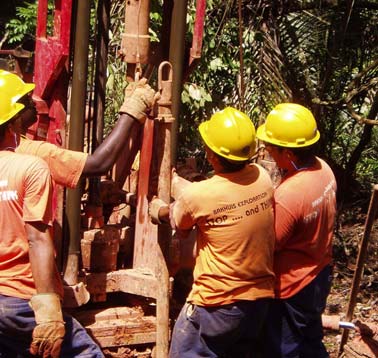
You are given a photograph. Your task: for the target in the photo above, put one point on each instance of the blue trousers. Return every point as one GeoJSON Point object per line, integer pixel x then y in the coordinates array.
{"type": "Point", "coordinates": [229, 331]}
{"type": "Point", "coordinates": [293, 328]}
{"type": "Point", "coordinates": [16, 326]}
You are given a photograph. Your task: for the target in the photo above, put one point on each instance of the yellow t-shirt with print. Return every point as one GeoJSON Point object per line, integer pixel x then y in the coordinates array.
{"type": "Point", "coordinates": [235, 224]}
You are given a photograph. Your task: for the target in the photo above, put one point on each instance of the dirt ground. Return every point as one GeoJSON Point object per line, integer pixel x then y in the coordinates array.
{"type": "Point", "coordinates": [347, 240]}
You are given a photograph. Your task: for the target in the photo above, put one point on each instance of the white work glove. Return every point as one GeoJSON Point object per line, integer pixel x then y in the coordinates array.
{"type": "Point", "coordinates": [154, 207]}
{"type": "Point", "coordinates": [139, 100]}
{"type": "Point", "coordinates": [49, 332]}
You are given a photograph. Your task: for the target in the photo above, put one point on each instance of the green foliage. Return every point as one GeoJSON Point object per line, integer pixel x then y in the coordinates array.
{"type": "Point", "coordinates": [213, 85]}
{"type": "Point", "coordinates": [116, 69]}
{"type": "Point", "coordinates": [320, 56]}
{"type": "Point", "coordinates": [367, 167]}
{"type": "Point", "coordinates": [24, 24]}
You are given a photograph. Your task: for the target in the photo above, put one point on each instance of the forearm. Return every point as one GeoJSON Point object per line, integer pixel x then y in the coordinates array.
{"type": "Point", "coordinates": [104, 157]}
{"type": "Point", "coordinates": [42, 259]}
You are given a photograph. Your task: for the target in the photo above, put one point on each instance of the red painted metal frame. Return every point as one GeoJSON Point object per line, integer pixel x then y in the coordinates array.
{"type": "Point", "coordinates": [51, 77]}
{"type": "Point", "coordinates": [51, 72]}
{"type": "Point", "coordinates": [144, 229]}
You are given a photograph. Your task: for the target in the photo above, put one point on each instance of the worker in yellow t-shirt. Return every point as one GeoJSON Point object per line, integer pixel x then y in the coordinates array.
{"type": "Point", "coordinates": [305, 209]}
{"type": "Point", "coordinates": [233, 214]}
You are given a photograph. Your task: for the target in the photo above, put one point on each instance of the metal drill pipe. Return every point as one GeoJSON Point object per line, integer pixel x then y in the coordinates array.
{"type": "Point", "coordinates": [76, 137]}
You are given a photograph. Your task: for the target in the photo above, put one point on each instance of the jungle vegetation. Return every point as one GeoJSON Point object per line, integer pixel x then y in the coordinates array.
{"type": "Point", "coordinates": [322, 54]}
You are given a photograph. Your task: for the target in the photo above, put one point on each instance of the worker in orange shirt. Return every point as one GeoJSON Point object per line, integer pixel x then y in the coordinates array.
{"type": "Point", "coordinates": [68, 166]}
{"type": "Point", "coordinates": [233, 274]}
{"type": "Point", "coordinates": [31, 320]}
{"type": "Point", "coordinates": [305, 209]}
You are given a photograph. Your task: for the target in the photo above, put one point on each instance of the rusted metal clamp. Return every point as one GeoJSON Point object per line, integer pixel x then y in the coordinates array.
{"type": "Point", "coordinates": [165, 89]}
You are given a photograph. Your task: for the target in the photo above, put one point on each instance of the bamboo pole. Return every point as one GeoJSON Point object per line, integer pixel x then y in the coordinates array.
{"type": "Point", "coordinates": [372, 211]}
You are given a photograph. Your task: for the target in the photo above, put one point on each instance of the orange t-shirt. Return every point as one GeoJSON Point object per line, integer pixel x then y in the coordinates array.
{"type": "Point", "coordinates": [305, 209]}
{"type": "Point", "coordinates": [25, 196]}
{"type": "Point", "coordinates": [66, 166]}
{"type": "Point", "coordinates": [235, 241]}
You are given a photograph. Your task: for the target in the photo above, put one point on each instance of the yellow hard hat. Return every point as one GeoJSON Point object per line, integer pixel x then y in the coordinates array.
{"type": "Point", "coordinates": [289, 125]}
{"type": "Point", "coordinates": [8, 108]}
{"type": "Point", "coordinates": [230, 133]}
{"type": "Point", "coordinates": [14, 85]}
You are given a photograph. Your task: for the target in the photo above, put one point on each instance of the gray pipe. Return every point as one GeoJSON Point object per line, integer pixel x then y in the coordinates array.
{"type": "Point", "coordinates": [76, 134]}
{"type": "Point", "coordinates": [176, 58]}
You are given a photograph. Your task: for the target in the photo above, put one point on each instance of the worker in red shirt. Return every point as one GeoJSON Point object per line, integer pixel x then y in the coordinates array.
{"type": "Point", "coordinates": [305, 209]}
{"type": "Point", "coordinates": [233, 274]}
{"type": "Point", "coordinates": [68, 166]}
{"type": "Point", "coordinates": [31, 319]}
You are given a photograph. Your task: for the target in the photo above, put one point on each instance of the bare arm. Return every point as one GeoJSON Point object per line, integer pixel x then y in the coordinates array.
{"type": "Point", "coordinates": [126, 129]}
{"type": "Point", "coordinates": [42, 260]}
{"type": "Point", "coordinates": [139, 99]}
{"type": "Point", "coordinates": [49, 331]}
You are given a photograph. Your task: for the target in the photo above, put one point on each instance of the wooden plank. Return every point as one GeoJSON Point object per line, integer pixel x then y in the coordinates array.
{"type": "Point", "coordinates": [137, 282]}
{"type": "Point", "coordinates": [145, 244]}
{"type": "Point", "coordinates": [118, 326]}
{"type": "Point", "coordinates": [116, 339]}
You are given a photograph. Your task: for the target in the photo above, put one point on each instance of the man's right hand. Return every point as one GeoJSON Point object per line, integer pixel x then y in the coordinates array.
{"type": "Point", "coordinates": [49, 332]}
{"type": "Point", "coordinates": [139, 99]}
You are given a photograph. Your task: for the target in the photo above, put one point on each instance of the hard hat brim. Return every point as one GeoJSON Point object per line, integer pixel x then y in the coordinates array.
{"type": "Point", "coordinates": [18, 107]}
{"type": "Point", "coordinates": [262, 135]}
{"type": "Point", "coordinates": [28, 87]}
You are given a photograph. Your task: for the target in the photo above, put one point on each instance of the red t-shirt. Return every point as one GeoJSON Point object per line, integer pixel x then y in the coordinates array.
{"type": "Point", "coordinates": [25, 196]}
{"type": "Point", "coordinates": [305, 209]}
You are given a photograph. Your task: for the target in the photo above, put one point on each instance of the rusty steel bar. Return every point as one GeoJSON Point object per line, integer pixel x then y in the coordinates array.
{"type": "Point", "coordinates": [135, 44]}
{"type": "Point", "coordinates": [17, 52]}
{"type": "Point", "coordinates": [195, 51]}
{"type": "Point", "coordinates": [371, 215]}
{"type": "Point", "coordinates": [164, 122]}
{"type": "Point", "coordinates": [135, 49]}
{"type": "Point", "coordinates": [142, 224]}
